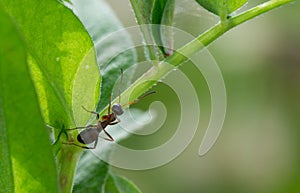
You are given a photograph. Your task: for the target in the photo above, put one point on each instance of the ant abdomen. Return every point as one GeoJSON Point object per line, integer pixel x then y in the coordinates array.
{"type": "Point", "coordinates": [117, 109]}
{"type": "Point", "coordinates": [88, 136]}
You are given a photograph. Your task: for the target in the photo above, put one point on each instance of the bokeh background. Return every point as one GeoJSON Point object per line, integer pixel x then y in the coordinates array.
{"type": "Point", "coordinates": [259, 147]}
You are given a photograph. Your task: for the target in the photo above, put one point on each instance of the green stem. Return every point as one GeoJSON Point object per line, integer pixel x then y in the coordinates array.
{"type": "Point", "coordinates": [212, 34]}
{"type": "Point", "coordinates": [67, 160]}
{"type": "Point", "coordinates": [69, 155]}
{"type": "Point", "coordinates": [156, 73]}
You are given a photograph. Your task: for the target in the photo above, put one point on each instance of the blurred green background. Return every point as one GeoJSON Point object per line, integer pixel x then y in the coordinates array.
{"type": "Point", "coordinates": [258, 149]}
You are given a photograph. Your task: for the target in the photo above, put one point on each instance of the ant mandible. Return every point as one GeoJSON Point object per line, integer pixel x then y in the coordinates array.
{"type": "Point", "coordinates": [90, 134]}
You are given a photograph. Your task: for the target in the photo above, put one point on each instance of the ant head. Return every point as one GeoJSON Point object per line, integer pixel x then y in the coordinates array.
{"type": "Point", "coordinates": [117, 109]}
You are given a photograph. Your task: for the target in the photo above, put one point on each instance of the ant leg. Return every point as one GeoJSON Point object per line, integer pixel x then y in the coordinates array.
{"type": "Point", "coordinates": [71, 128]}
{"type": "Point", "coordinates": [110, 137]}
{"type": "Point", "coordinates": [93, 112]}
{"type": "Point", "coordinates": [81, 146]}
{"type": "Point", "coordinates": [89, 126]}
{"type": "Point", "coordinates": [109, 105]}
{"type": "Point", "coordinates": [116, 122]}
{"type": "Point", "coordinates": [107, 117]}
{"type": "Point", "coordinates": [95, 144]}
{"type": "Point", "coordinates": [76, 128]}
{"type": "Point", "coordinates": [84, 147]}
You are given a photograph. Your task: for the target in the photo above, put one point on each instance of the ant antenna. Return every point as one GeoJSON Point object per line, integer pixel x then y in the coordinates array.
{"type": "Point", "coordinates": [141, 97]}
{"type": "Point", "coordinates": [120, 84]}
{"type": "Point", "coordinates": [117, 108]}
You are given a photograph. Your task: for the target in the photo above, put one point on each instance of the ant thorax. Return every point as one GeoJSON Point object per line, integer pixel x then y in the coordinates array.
{"type": "Point", "coordinates": [117, 109]}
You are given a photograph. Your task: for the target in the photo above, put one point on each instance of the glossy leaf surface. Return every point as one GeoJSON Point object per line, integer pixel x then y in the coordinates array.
{"type": "Point", "coordinates": [162, 16]}
{"type": "Point", "coordinates": [111, 42]}
{"type": "Point", "coordinates": [27, 162]}
{"type": "Point", "coordinates": [221, 7]}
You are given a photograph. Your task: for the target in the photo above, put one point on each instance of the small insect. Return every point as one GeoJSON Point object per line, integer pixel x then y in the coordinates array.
{"type": "Point", "coordinates": [90, 134]}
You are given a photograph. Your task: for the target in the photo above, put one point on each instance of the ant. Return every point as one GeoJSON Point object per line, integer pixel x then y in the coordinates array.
{"type": "Point", "coordinates": [91, 132]}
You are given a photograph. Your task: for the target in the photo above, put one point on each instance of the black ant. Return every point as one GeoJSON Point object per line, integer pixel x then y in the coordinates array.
{"type": "Point", "coordinates": [91, 132]}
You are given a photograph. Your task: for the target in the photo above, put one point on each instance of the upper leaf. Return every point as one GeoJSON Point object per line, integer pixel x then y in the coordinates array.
{"type": "Point", "coordinates": [162, 16]}
{"type": "Point", "coordinates": [85, 88]}
{"type": "Point", "coordinates": [143, 15]}
{"type": "Point", "coordinates": [56, 42]}
{"type": "Point", "coordinates": [142, 10]}
{"type": "Point", "coordinates": [157, 38]}
{"type": "Point", "coordinates": [221, 7]}
{"type": "Point", "coordinates": [111, 42]}
{"type": "Point", "coordinates": [27, 163]}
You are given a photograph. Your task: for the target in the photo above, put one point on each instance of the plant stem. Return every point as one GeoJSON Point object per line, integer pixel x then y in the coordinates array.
{"type": "Point", "coordinates": [156, 73]}
{"type": "Point", "coordinates": [67, 160]}
{"type": "Point", "coordinates": [212, 34]}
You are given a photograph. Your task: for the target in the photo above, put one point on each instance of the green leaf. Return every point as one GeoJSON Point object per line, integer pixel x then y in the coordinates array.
{"type": "Point", "coordinates": [143, 15]}
{"type": "Point", "coordinates": [142, 10]}
{"type": "Point", "coordinates": [162, 16]}
{"type": "Point", "coordinates": [91, 174]}
{"type": "Point", "coordinates": [56, 43]}
{"type": "Point", "coordinates": [85, 89]}
{"type": "Point", "coordinates": [118, 184]}
{"type": "Point", "coordinates": [221, 7]}
{"type": "Point", "coordinates": [160, 13]}
{"type": "Point", "coordinates": [27, 164]}
{"type": "Point", "coordinates": [110, 42]}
